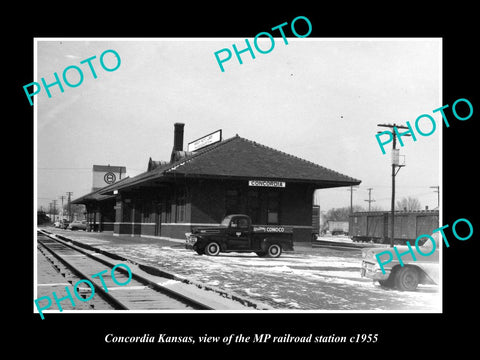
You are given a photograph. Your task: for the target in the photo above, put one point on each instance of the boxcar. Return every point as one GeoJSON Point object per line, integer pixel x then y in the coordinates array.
{"type": "Point", "coordinates": [375, 225]}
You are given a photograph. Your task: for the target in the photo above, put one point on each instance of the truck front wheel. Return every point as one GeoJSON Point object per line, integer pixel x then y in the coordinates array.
{"type": "Point", "coordinates": [212, 249]}
{"type": "Point", "coordinates": [274, 250]}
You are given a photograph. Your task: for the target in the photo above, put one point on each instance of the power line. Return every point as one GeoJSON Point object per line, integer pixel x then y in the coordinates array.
{"type": "Point", "coordinates": [393, 131]}
{"type": "Point", "coordinates": [61, 168]}
{"type": "Point", "coordinates": [351, 198]}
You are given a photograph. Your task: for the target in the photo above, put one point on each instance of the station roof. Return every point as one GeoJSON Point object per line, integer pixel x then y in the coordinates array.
{"type": "Point", "coordinates": [95, 195]}
{"type": "Point", "coordinates": [239, 158]}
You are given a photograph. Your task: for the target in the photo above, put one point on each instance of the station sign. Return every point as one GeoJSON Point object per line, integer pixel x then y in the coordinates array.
{"type": "Point", "coordinates": [266, 183]}
{"type": "Point", "coordinates": [205, 141]}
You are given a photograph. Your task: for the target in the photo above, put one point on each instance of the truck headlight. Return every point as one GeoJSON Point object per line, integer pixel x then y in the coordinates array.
{"type": "Point", "coordinates": [191, 239]}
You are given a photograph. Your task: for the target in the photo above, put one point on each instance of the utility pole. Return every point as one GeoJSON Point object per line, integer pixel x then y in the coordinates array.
{"type": "Point", "coordinates": [62, 198]}
{"type": "Point", "coordinates": [395, 163]}
{"type": "Point", "coordinates": [438, 194]}
{"type": "Point", "coordinates": [369, 198]}
{"type": "Point", "coordinates": [54, 209]}
{"type": "Point", "coordinates": [69, 193]}
{"type": "Point", "coordinates": [351, 199]}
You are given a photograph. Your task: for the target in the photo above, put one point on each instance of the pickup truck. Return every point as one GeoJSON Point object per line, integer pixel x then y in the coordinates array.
{"type": "Point", "coordinates": [423, 270]}
{"type": "Point", "coordinates": [237, 234]}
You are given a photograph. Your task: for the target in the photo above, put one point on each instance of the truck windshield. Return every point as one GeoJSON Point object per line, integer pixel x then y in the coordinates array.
{"type": "Point", "coordinates": [226, 221]}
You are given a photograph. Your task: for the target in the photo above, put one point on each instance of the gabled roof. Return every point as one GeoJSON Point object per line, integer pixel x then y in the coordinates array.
{"type": "Point", "coordinates": [96, 195]}
{"type": "Point", "coordinates": [239, 158]}
{"type": "Point", "coordinates": [242, 158]}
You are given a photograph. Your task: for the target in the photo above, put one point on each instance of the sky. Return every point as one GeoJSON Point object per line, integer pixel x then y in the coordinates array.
{"type": "Point", "coordinates": [318, 99]}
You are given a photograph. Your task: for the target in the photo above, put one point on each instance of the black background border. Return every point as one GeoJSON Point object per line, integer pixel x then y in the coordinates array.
{"type": "Point", "coordinates": [400, 333]}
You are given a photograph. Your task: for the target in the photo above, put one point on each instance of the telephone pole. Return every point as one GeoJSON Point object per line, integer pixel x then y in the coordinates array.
{"type": "Point", "coordinates": [395, 163]}
{"type": "Point", "coordinates": [369, 198]}
{"type": "Point", "coordinates": [351, 199]}
{"type": "Point", "coordinates": [438, 194]}
{"type": "Point", "coordinates": [54, 209]}
{"type": "Point", "coordinates": [62, 198]}
{"type": "Point", "coordinates": [69, 193]}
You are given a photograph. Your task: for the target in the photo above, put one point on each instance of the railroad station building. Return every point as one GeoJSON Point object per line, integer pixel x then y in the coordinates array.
{"type": "Point", "coordinates": [211, 179]}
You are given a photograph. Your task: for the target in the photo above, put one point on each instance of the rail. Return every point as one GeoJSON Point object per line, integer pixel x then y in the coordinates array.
{"type": "Point", "coordinates": [141, 293]}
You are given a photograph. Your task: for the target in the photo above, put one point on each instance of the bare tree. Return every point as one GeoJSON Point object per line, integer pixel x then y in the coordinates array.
{"type": "Point", "coordinates": [408, 203]}
{"type": "Point", "coordinates": [341, 214]}
{"type": "Point", "coordinates": [78, 210]}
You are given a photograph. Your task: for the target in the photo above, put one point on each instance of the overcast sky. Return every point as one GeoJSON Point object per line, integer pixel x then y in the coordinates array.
{"type": "Point", "coordinates": [318, 99]}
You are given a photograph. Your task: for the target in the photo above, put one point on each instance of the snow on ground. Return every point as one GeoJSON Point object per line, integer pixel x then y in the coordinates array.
{"type": "Point", "coordinates": [309, 279]}
{"type": "Point", "coordinates": [306, 279]}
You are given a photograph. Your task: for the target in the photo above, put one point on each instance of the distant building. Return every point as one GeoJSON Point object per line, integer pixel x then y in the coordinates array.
{"type": "Point", "coordinates": [104, 175]}
{"type": "Point", "coordinates": [198, 188]}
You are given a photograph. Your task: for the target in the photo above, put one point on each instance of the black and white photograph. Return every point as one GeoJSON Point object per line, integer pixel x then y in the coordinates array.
{"type": "Point", "coordinates": [281, 184]}
{"type": "Point", "coordinates": [256, 185]}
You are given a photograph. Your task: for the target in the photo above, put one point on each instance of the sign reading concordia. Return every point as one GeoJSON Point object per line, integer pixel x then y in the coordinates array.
{"type": "Point", "coordinates": [266, 183]}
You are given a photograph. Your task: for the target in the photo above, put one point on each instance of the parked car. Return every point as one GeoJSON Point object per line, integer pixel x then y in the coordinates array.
{"type": "Point", "coordinates": [423, 270]}
{"type": "Point", "coordinates": [237, 234]}
{"type": "Point", "coordinates": [64, 224]}
{"type": "Point", "coordinates": [78, 225]}
{"type": "Point", "coordinates": [61, 224]}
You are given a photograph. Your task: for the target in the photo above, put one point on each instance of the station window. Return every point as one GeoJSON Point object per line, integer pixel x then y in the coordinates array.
{"type": "Point", "coordinates": [273, 208]}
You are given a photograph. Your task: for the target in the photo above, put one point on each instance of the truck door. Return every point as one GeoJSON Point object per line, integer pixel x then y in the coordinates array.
{"type": "Point", "coordinates": [238, 234]}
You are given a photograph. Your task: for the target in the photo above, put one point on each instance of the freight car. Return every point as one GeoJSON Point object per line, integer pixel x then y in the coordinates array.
{"type": "Point", "coordinates": [338, 227]}
{"type": "Point", "coordinates": [375, 225]}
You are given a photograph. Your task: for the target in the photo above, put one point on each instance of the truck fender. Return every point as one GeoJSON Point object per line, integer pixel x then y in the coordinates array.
{"type": "Point", "coordinates": [219, 241]}
{"type": "Point", "coordinates": [268, 241]}
{"type": "Point", "coordinates": [267, 249]}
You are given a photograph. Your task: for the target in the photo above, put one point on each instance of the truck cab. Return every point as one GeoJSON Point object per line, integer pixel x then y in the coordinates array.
{"type": "Point", "coordinates": [237, 234]}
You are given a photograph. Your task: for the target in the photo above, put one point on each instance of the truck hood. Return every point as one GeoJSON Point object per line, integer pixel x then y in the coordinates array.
{"type": "Point", "coordinates": [208, 230]}
{"type": "Point", "coordinates": [369, 254]}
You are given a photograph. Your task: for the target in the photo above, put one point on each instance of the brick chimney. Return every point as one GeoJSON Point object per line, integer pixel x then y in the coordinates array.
{"type": "Point", "coordinates": [178, 137]}
{"type": "Point", "coordinates": [177, 152]}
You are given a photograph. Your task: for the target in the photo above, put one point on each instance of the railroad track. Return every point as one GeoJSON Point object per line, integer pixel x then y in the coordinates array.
{"type": "Point", "coordinates": [139, 293]}
{"type": "Point", "coordinates": [337, 245]}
